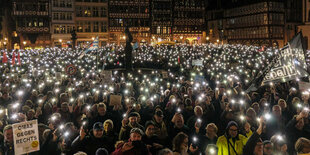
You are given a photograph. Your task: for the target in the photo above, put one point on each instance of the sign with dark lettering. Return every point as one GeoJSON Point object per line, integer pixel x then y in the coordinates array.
{"type": "Point", "coordinates": [26, 137]}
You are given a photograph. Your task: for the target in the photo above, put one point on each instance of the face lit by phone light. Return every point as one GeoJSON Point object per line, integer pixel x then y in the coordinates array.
{"type": "Point", "coordinates": [98, 133]}
{"type": "Point", "coordinates": [135, 136]}
{"type": "Point", "coordinates": [64, 107]}
{"type": "Point", "coordinates": [233, 131]}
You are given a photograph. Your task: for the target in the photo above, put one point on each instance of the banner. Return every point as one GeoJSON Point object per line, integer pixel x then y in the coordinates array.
{"type": "Point", "coordinates": [290, 65]}
{"type": "Point", "coordinates": [26, 137]}
{"type": "Point", "coordinates": [287, 64]}
{"type": "Point", "coordinates": [197, 62]}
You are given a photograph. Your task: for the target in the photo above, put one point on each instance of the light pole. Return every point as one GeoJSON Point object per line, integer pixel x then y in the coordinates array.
{"type": "Point", "coordinates": [4, 43]}
{"type": "Point", "coordinates": [60, 40]}
{"type": "Point", "coordinates": [24, 44]}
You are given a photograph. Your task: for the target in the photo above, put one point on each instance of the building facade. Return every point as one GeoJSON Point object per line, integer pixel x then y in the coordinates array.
{"type": "Point", "coordinates": [293, 18]}
{"type": "Point", "coordinates": [189, 21]}
{"type": "Point", "coordinates": [161, 20]}
{"type": "Point", "coordinates": [259, 23]}
{"type": "Point", "coordinates": [132, 13]}
{"type": "Point", "coordinates": [91, 20]}
{"type": "Point", "coordinates": [214, 17]}
{"type": "Point", "coordinates": [32, 21]}
{"type": "Point", "coordinates": [305, 26]}
{"type": "Point", "coordinates": [62, 24]}
{"type": "Point", "coordinates": [7, 26]}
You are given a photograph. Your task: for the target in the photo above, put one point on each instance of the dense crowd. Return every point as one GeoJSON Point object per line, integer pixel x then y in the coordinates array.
{"type": "Point", "coordinates": [165, 106]}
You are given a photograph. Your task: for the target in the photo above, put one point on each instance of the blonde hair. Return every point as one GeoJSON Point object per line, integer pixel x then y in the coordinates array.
{"type": "Point", "coordinates": [285, 105]}
{"type": "Point", "coordinates": [301, 143]}
{"type": "Point", "coordinates": [212, 125]}
{"type": "Point", "coordinates": [109, 121]}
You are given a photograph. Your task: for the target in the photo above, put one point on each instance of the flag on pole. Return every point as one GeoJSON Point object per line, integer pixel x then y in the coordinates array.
{"type": "Point", "coordinates": [93, 46]}
{"type": "Point", "coordinates": [4, 58]}
{"type": "Point", "coordinates": [288, 64]}
{"type": "Point", "coordinates": [18, 58]}
{"type": "Point", "coordinates": [135, 46]}
{"type": "Point", "coordinates": [13, 59]}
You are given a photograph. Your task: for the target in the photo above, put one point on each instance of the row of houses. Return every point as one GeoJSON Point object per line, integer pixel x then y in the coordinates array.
{"type": "Point", "coordinates": [42, 23]}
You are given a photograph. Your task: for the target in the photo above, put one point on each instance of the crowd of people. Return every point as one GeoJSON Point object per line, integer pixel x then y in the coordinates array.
{"type": "Point", "coordinates": [167, 105]}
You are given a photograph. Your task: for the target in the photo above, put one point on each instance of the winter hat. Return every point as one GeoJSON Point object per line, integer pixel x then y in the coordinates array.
{"type": "Point", "coordinates": [102, 151]}
{"type": "Point", "coordinates": [232, 123]}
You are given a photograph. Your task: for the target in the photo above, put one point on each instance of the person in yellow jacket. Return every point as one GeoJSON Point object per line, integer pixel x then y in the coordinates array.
{"type": "Point", "coordinates": [231, 143]}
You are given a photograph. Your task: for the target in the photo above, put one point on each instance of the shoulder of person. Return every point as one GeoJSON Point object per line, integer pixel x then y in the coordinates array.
{"type": "Point", "coordinates": [242, 137]}
{"type": "Point", "coordinates": [176, 153]}
{"type": "Point", "coordinates": [222, 138]}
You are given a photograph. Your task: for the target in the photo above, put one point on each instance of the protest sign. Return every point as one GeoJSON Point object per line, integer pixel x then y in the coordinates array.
{"type": "Point", "coordinates": [26, 137]}
{"type": "Point", "coordinates": [197, 62]}
{"type": "Point", "coordinates": [71, 69]}
{"type": "Point", "coordinates": [115, 100]}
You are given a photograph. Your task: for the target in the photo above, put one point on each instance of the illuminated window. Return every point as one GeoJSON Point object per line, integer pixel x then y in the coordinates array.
{"type": "Point", "coordinates": [158, 30]}
{"type": "Point", "coordinates": [87, 27]}
{"type": "Point", "coordinates": [96, 27]}
{"type": "Point", "coordinates": [87, 12]}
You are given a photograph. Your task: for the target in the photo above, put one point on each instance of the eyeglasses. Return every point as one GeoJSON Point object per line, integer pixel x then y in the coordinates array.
{"type": "Point", "coordinates": [268, 148]}
{"type": "Point", "coordinates": [233, 130]}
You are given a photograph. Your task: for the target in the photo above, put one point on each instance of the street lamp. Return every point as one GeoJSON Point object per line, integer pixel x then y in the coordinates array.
{"type": "Point", "coordinates": [93, 38]}
{"type": "Point", "coordinates": [60, 40]}
{"type": "Point", "coordinates": [208, 38]}
{"type": "Point", "coordinates": [217, 41]}
{"type": "Point", "coordinates": [124, 37]}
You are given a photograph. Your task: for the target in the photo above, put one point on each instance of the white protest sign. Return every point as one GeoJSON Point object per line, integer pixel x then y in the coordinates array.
{"type": "Point", "coordinates": [26, 137]}
{"type": "Point", "coordinates": [197, 62]}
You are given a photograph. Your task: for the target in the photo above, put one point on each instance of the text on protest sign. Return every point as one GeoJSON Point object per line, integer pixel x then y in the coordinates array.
{"type": "Point", "coordinates": [26, 137]}
{"type": "Point", "coordinates": [288, 67]}
{"type": "Point", "coordinates": [197, 62]}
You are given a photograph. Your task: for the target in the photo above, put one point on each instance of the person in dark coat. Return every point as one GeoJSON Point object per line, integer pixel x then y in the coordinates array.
{"type": "Point", "coordinates": [126, 127]}
{"type": "Point", "coordinates": [89, 144]}
{"type": "Point", "coordinates": [297, 128]}
{"type": "Point", "coordinates": [109, 133]}
{"type": "Point", "coordinates": [177, 125]}
{"type": "Point", "coordinates": [134, 145]}
{"type": "Point", "coordinates": [101, 116]}
{"type": "Point", "coordinates": [151, 139]}
{"type": "Point", "coordinates": [255, 144]}
{"type": "Point", "coordinates": [7, 147]}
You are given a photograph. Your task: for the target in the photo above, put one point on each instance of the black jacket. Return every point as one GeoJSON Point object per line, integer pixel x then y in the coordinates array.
{"type": "Point", "coordinates": [89, 144]}
{"type": "Point", "coordinates": [250, 144]}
